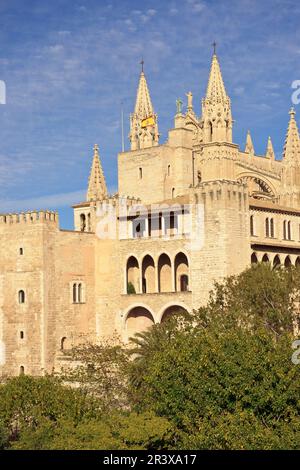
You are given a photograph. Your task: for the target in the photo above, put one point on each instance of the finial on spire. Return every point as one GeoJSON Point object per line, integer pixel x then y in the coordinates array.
{"type": "Point", "coordinates": [270, 151]}
{"type": "Point", "coordinates": [214, 44]}
{"type": "Point", "coordinates": [96, 148]}
{"type": "Point", "coordinates": [249, 144]}
{"type": "Point", "coordinates": [291, 149]}
{"type": "Point", "coordinates": [142, 64]}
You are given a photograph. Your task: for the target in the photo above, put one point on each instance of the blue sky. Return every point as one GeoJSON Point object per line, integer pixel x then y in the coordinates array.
{"type": "Point", "coordinates": [69, 64]}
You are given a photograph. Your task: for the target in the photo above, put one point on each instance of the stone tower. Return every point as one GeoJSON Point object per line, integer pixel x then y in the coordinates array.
{"type": "Point", "coordinates": [143, 122]}
{"type": "Point", "coordinates": [216, 108]}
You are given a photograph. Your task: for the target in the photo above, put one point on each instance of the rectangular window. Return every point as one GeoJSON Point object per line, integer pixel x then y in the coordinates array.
{"type": "Point", "coordinates": [252, 225]}
{"type": "Point", "coordinates": [272, 228]}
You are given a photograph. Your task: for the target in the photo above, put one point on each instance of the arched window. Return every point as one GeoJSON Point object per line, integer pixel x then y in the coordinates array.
{"type": "Point", "coordinates": [21, 251]}
{"type": "Point", "coordinates": [133, 276]}
{"type": "Point", "coordinates": [22, 370]}
{"type": "Point", "coordinates": [252, 225]}
{"type": "Point", "coordinates": [287, 262]}
{"type": "Point", "coordinates": [63, 343]}
{"type": "Point", "coordinates": [265, 258]}
{"type": "Point", "coordinates": [138, 319]}
{"type": "Point", "coordinates": [254, 259]}
{"type": "Point", "coordinates": [89, 222]}
{"type": "Point", "coordinates": [173, 193]}
{"type": "Point", "coordinates": [267, 227]}
{"type": "Point", "coordinates": [289, 230]}
{"type": "Point", "coordinates": [22, 334]}
{"type": "Point", "coordinates": [169, 170]}
{"type": "Point", "coordinates": [21, 296]}
{"type": "Point", "coordinates": [164, 273]}
{"type": "Point", "coordinates": [276, 262]}
{"type": "Point", "coordinates": [181, 270]}
{"type": "Point", "coordinates": [141, 173]}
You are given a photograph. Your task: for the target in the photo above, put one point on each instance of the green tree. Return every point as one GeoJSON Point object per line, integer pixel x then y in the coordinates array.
{"type": "Point", "coordinates": [228, 366]}
{"type": "Point", "coordinates": [108, 432]}
{"type": "Point", "coordinates": [25, 402]}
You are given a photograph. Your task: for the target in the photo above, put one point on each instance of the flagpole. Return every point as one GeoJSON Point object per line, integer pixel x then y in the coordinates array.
{"type": "Point", "coordinates": [122, 126]}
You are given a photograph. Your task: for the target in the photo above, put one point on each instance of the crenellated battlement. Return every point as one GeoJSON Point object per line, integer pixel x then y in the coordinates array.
{"type": "Point", "coordinates": [224, 192]}
{"type": "Point", "coordinates": [117, 201]}
{"type": "Point", "coordinates": [30, 217]}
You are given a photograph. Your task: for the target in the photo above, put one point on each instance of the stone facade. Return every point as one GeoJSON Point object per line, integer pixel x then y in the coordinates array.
{"type": "Point", "coordinates": [188, 212]}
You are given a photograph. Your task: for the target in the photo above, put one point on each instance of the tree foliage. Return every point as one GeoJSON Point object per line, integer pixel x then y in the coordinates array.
{"type": "Point", "coordinates": [219, 378]}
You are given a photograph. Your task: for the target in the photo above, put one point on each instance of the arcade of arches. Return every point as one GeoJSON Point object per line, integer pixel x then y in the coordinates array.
{"type": "Point", "coordinates": [140, 318]}
{"type": "Point", "coordinates": [275, 259]}
{"type": "Point", "coordinates": [163, 275]}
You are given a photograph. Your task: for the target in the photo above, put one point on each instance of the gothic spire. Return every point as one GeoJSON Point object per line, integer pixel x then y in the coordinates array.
{"type": "Point", "coordinates": [143, 106]}
{"type": "Point", "coordinates": [143, 122]}
{"type": "Point", "coordinates": [249, 148]}
{"type": "Point", "coordinates": [216, 107]}
{"type": "Point", "coordinates": [97, 186]}
{"type": "Point", "coordinates": [270, 150]}
{"type": "Point", "coordinates": [291, 149]}
{"type": "Point", "coordinates": [215, 91]}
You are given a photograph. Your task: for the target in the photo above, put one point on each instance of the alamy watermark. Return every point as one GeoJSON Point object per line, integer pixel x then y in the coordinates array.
{"type": "Point", "coordinates": [296, 354]}
{"type": "Point", "coordinates": [296, 94]}
{"type": "Point", "coordinates": [2, 92]}
{"type": "Point", "coordinates": [164, 221]}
